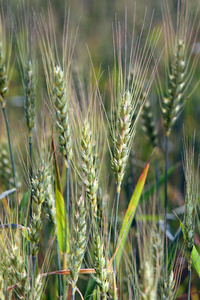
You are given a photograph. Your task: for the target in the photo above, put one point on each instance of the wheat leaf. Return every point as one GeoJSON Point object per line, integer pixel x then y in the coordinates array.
{"type": "Point", "coordinates": [128, 218]}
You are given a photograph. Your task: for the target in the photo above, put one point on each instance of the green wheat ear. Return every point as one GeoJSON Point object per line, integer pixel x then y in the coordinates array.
{"type": "Point", "coordinates": [30, 97]}
{"type": "Point", "coordinates": [191, 199]}
{"type": "Point", "coordinates": [173, 102]}
{"type": "Point", "coordinates": [78, 245]}
{"type": "Point", "coordinates": [122, 138]}
{"type": "Point", "coordinates": [88, 166]}
{"type": "Point", "coordinates": [100, 265]}
{"type": "Point", "coordinates": [39, 189]}
{"type": "Point", "coordinates": [148, 124]}
{"type": "Point", "coordinates": [62, 117]}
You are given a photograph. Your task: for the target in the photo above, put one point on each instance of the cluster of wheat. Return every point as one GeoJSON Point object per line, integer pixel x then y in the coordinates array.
{"type": "Point", "coordinates": [61, 219]}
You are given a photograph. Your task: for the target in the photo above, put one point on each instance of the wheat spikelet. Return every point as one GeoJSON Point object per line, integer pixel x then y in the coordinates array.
{"type": "Point", "coordinates": [100, 265]}
{"type": "Point", "coordinates": [173, 102]}
{"type": "Point", "coordinates": [148, 124]}
{"type": "Point", "coordinates": [61, 106]}
{"type": "Point", "coordinates": [39, 187]}
{"type": "Point", "coordinates": [122, 138]}
{"type": "Point", "coordinates": [79, 241]}
{"type": "Point", "coordinates": [180, 59]}
{"type": "Point", "coordinates": [148, 289]}
{"type": "Point", "coordinates": [191, 199]}
{"type": "Point", "coordinates": [168, 290]}
{"type": "Point", "coordinates": [88, 165]}
{"type": "Point", "coordinates": [29, 96]}
{"type": "Point", "coordinates": [49, 202]}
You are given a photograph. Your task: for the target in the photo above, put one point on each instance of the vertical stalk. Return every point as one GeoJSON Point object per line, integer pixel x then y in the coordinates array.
{"type": "Point", "coordinates": [98, 293]}
{"type": "Point", "coordinates": [31, 173]}
{"type": "Point", "coordinates": [59, 268]}
{"type": "Point", "coordinates": [66, 225]}
{"type": "Point", "coordinates": [67, 188]}
{"type": "Point", "coordinates": [118, 187]}
{"type": "Point", "coordinates": [166, 201]}
{"type": "Point", "coordinates": [189, 282]}
{"type": "Point", "coordinates": [10, 147]}
{"type": "Point", "coordinates": [73, 294]}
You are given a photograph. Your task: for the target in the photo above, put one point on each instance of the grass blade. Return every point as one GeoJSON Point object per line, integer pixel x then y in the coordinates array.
{"type": "Point", "coordinates": [128, 218]}
{"type": "Point", "coordinates": [62, 225]}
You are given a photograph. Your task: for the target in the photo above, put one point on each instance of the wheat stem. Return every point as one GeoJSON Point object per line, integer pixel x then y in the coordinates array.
{"type": "Point", "coordinates": [67, 188]}
{"type": "Point", "coordinates": [31, 175]}
{"type": "Point", "coordinates": [115, 224]}
{"type": "Point", "coordinates": [10, 147]}
{"type": "Point", "coordinates": [59, 268]}
{"type": "Point", "coordinates": [166, 201]}
{"type": "Point", "coordinates": [189, 283]}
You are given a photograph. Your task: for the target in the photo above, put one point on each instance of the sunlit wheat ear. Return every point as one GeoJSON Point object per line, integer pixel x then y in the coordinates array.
{"type": "Point", "coordinates": [148, 124]}
{"type": "Point", "coordinates": [174, 101]}
{"type": "Point", "coordinates": [62, 117]}
{"type": "Point", "coordinates": [191, 198]}
{"type": "Point", "coordinates": [122, 138]}
{"type": "Point", "coordinates": [88, 166]}
{"type": "Point", "coordinates": [30, 97]}
{"type": "Point", "coordinates": [181, 61]}
{"type": "Point", "coordinates": [100, 265]}
{"type": "Point", "coordinates": [79, 241]}
{"type": "Point", "coordinates": [39, 187]}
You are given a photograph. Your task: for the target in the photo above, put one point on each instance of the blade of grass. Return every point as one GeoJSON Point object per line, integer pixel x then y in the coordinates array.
{"type": "Point", "coordinates": [128, 218]}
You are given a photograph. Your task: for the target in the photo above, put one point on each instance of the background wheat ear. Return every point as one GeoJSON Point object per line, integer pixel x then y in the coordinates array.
{"type": "Point", "coordinates": [191, 199]}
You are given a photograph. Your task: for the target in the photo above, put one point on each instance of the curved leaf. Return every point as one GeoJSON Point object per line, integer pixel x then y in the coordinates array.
{"type": "Point", "coordinates": [128, 218]}
{"type": "Point", "coordinates": [62, 223]}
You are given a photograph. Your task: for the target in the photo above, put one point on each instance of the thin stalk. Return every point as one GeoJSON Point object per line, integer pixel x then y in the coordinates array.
{"type": "Point", "coordinates": [73, 294]}
{"type": "Point", "coordinates": [166, 201]}
{"type": "Point", "coordinates": [33, 267]}
{"type": "Point", "coordinates": [59, 268]}
{"type": "Point", "coordinates": [67, 217]}
{"type": "Point", "coordinates": [157, 183]}
{"type": "Point", "coordinates": [189, 283]}
{"type": "Point", "coordinates": [115, 221]}
{"type": "Point", "coordinates": [31, 173]}
{"type": "Point", "coordinates": [10, 147]}
{"type": "Point", "coordinates": [67, 188]}
{"type": "Point", "coordinates": [98, 293]}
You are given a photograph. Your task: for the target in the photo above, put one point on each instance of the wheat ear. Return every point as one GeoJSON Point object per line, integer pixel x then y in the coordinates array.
{"type": "Point", "coordinates": [100, 265]}
{"type": "Point", "coordinates": [148, 124]}
{"type": "Point", "coordinates": [79, 241]}
{"type": "Point", "coordinates": [88, 166]}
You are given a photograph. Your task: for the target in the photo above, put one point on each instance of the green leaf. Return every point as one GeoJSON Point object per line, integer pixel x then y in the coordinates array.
{"type": "Point", "coordinates": [195, 254]}
{"type": "Point", "coordinates": [90, 288]}
{"type": "Point", "coordinates": [24, 203]}
{"type": "Point", "coordinates": [128, 218]}
{"type": "Point", "coordinates": [62, 222]}
{"type": "Point", "coordinates": [196, 260]}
